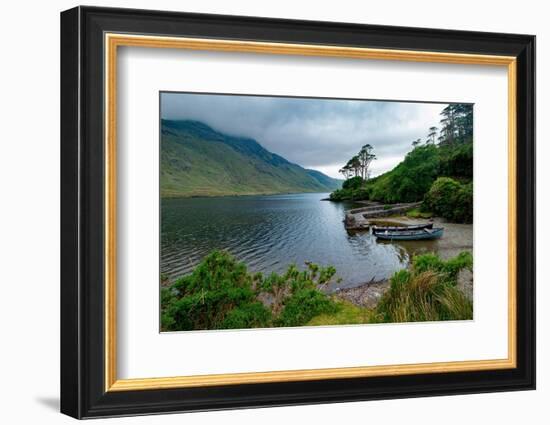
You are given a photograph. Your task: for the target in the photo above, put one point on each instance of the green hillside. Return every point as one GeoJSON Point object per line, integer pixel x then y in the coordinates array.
{"type": "Point", "coordinates": [197, 160]}
{"type": "Point", "coordinates": [439, 174]}
{"type": "Point", "coordinates": [412, 178]}
{"type": "Point", "coordinates": [323, 179]}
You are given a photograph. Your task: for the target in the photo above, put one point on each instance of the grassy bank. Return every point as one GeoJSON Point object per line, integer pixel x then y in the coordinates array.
{"type": "Point", "coordinates": [222, 294]}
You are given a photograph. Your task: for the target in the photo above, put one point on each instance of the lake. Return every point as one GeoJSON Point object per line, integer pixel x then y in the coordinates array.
{"type": "Point", "coordinates": [268, 233]}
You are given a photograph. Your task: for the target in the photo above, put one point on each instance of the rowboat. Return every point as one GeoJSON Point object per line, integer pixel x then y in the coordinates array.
{"type": "Point", "coordinates": [410, 235]}
{"type": "Point", "coordinates": [378, 229]}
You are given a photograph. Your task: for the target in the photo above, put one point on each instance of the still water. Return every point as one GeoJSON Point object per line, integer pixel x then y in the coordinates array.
{"type": "Point", "coordinates": [268, 233]}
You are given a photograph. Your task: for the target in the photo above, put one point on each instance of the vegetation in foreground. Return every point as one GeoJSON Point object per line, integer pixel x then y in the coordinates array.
{"type": "Point", "coordinates": [426, 172]}
{"type": "Point", "coordinates": [222, 294]}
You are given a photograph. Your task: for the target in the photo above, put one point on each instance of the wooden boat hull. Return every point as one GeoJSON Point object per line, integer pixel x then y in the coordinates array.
{"type": "Point", "coordinates": [378, 229]}
{"type": "Point", "coordinates": [411, 235]}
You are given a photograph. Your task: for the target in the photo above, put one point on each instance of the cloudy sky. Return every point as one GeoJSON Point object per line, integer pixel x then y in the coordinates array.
{"type": "Point", "coordinates": [315, 133]}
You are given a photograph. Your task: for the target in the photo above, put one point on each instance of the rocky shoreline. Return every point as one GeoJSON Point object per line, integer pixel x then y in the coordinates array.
{"type": "Point", "coordinates": [366, 295]}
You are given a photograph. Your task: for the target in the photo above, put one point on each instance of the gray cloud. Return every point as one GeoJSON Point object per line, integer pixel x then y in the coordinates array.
{"type": "Point", "coordinates": [315, 133]}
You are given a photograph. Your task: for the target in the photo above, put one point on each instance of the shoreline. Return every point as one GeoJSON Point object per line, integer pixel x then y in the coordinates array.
{"type": "Point", "coordinates": [367, 294]}
{"type": "Point", "coordinates": [458, 237]}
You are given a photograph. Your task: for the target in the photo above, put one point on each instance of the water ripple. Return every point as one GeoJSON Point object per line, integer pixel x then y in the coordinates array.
{"type": "Point", "coordinates": [269, 233]}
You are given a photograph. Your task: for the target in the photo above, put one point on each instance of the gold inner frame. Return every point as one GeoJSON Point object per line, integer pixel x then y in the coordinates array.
{"type": "Point", "coordinates": [113, 41]}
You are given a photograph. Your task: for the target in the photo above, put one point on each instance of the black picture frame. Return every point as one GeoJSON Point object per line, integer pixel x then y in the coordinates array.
{"type": "Point", "coordinates": [82, 218]}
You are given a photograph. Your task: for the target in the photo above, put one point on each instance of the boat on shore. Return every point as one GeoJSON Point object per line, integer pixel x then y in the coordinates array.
{"type": "Point", "coordinates": [410, 235]}
{"type": "Point", "coordinates": [378, 229]}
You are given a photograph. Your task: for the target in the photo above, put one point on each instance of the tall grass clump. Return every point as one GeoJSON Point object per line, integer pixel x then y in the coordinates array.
{"type": "Point", "coordinates": [427, 292]}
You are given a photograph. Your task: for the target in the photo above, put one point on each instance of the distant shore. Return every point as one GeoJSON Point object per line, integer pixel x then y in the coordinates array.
{"type": "Point", "coordinates": [229, 195]}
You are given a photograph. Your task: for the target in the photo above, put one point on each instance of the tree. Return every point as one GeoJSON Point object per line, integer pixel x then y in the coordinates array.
{"type": "Point", "coordinates": [416, 142]}
{"type": "Point", "coordinates": [448, 123]}
{"type": "Point", "coordinates": [359, 165]}
{"type": "Point", "coordinates": [365, 158]}
{"type": "Point", "coordinates": [457, 123]}
{"type": "Point", "coordinates": [464, 115]}
{"type": "Point", "coordinates": [346, 171]}
{"type": "Point", "coordinates": [355, 165]}
{"type": "Point", "coordinates": [431, 135]}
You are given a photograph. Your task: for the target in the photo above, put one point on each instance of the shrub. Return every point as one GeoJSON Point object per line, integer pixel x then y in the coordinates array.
{"type": "Point", "coordinates": [282, 288]}
{"type": "Point", "coordinates": [357, 194]}
{"type": "Point", "coordinates": [203, 299]}
{"type": "Point", "coordinates": [450, 268]}
{"type": "Point", "coordinates": [464, 204]}
{"type": "Point", "coordinates": [221, 294]}
{"type": "Point", "coordinates": [440, 198]}
{"type": "Point", "coordinates": [450, 199]}
{"type": "Point", "coordinates": [341, 195]}
{"type": "Point", "coordinates": [304, 305]}
{"type": "Point", "coordinates": [252, 315]}
{"type": "Point", "coordinates": [353, 183]}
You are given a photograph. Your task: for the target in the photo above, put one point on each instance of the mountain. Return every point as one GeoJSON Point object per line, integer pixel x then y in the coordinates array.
{"type": "Point", "coordinates": [197, 160]}
{"type": "Point", "coordinates": [323, 179]}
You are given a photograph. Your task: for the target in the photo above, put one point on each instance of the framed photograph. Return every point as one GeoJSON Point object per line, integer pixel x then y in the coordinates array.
{"type": "Point", "coordinates": [261, 212]}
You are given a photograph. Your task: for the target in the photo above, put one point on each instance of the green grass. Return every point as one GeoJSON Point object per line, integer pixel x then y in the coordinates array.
{"type": "Point", "coordinates": [416, 213]}
{"type": "Point", "coordinates": [347, 314]}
